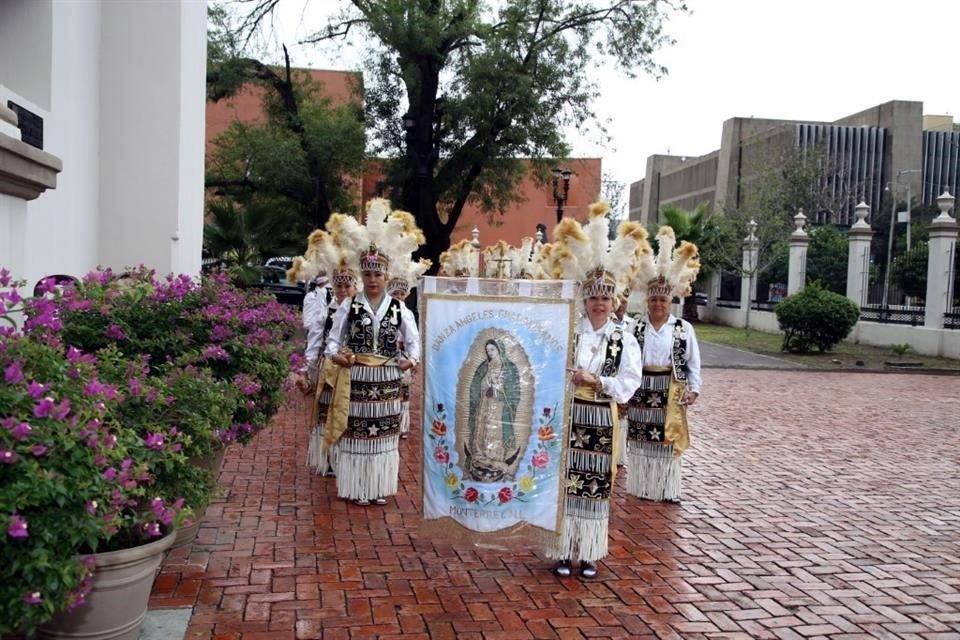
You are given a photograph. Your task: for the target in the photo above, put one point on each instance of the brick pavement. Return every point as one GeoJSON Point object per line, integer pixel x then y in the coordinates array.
{"type": "Point", "coordinates": [815, 506]}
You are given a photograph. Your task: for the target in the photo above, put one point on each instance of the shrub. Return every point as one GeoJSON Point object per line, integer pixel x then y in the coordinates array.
{"type": "Point", "coordinates": [815, 317]}
{"type": "Point", "coordinates": [71, 477]}
{"type": "Point", "coordinates": [242, 337]}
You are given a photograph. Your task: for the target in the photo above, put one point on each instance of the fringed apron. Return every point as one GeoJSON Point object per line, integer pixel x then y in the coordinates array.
{"type": "Point", "coordinates": [319, 457]}
{"type": "Point", "coordinates": [658, 425]}
{"type": "Point", "coordinates": [593, 436]}
{"type": "Point", "coordinates": [367, 458]}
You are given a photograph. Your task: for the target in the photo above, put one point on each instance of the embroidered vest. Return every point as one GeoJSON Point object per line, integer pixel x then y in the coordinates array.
{"type": "Point", "coordinates": [361, 337]}
{"type": "Point", "coordinates": [613, 353]}
{"type": "Point", "coordinates": [678, 356]}
{"type": "Point", "coordinates": [328, 324]}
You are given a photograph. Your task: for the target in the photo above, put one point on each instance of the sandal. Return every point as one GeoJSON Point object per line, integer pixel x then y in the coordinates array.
{"type": "Point", "coordinates": [362, 503]}
{"type": "Point", "coordinates": [563, 569]}
{"type": "Point", "coordinates": [380, 501]}
{"type": "Point", "coordinates": [588, 570]}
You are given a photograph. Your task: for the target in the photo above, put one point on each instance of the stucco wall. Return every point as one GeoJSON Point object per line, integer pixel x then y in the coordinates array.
{"type": "Point", "coordinates": [126, 118]}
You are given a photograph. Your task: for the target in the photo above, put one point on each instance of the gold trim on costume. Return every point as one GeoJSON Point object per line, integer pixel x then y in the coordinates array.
{"type": "Point", "coordinates": [676, 431]}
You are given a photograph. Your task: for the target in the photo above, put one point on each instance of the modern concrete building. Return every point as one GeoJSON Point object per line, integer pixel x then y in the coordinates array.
{"type": "Point", "coordinates": [889, 142]}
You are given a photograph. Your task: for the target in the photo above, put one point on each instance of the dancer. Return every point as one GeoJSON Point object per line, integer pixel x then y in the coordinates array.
{"type": "Point", "coordinates": [365, 362]}
{"type": "Point", "coordinates": [659, 432]}
{"type": "Point", "coordinates": [606, 371]}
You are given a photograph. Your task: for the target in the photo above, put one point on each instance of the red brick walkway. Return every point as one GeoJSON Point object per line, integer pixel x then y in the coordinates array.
{"type": "Point", "coordinates": [815, 505]}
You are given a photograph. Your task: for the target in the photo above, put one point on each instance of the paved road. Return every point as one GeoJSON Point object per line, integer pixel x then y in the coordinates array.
{"type": "Point", "coordinates": [717, 355]}
{"type": "Point", "coordinates": [814, 507]}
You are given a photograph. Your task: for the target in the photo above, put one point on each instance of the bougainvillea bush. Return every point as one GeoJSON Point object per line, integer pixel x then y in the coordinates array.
{"type": "Point", "coordinates": [242, 337]}
{"type": "Point", "coordinates": [109, 392]}
{"type": "Point", "coordinates": [71, 477]}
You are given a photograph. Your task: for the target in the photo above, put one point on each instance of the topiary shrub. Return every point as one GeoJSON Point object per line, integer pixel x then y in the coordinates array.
{"type": "Point", "coordinates": [815, 317]}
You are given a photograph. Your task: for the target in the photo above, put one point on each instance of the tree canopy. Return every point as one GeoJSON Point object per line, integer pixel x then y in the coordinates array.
{"type": "Point", "coordinates": [457, 91]}
{"type": "Point", "coordinates": [286, 173]}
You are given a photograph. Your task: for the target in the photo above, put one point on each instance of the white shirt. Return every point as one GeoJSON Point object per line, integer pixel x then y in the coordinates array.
{"type": "Point", "coordinates": [313, 302]}
{"type": "Point", "coordinates": [628, 324]}
{"type": "Point", "coordinates": [315, 338]}
{"type": "Point", "coordinates": [591, 348]}
{"type": "Point", "coordinates": [658, 349]}
{"type": "Point", "coordinates": [409, 334]}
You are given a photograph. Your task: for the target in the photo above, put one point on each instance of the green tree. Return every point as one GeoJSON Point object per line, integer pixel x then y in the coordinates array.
{"type": "Point", "coordinates": [909, 270]}
{"type": "Point", "coordinates": [246, 235]}
{"type": "Point", "coordinates": [302, 159]}
{"type": "Point", "coordinates": [692, 227]}
{"type": "Point", "coordinates": [827, 258]}
{"type": "Point", "coordinates": [458, 91]}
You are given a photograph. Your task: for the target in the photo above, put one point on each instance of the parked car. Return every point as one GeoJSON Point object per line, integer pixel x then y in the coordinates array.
{"type": "Point", "coordinates": [273, 278]}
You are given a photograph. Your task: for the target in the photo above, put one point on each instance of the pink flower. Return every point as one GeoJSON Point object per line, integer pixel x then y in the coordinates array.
{"type": "Point", "coordinates": [17, 527]}
{"type": "Point", "coordinates": [14, 373]}
{"type": "Point", "coordinates": [504, 495]}
{"type": "Point", "coordinates": [43, 407]}
{"type": "Point", "coordinates": [541, 459]}
{"type": "Point", "coordinates": [115, 332]}
{"type": "Point", "coordinates": [33, 598]}
{"type": "Point", "coordinates": [441, 455]}
{"type": "Point", "coordinates": [92, 507]}
{"type": "Point", "coordinates": [4, 277]}
{"type": "Point", "coordinates": [38, 450]}
{"type": "Point", "coordinates": [35, 390]}
{"type": "Point", "coordinates": [20, 431]}
{"type": "Point", "coordinates": [7, 456]}
{"type": "Point", "coordinates": [154, 441]}
{"type": "Point", "coordinates": [152, 529]}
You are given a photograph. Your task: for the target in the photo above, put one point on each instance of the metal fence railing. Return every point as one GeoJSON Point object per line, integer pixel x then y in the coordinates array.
{"type": "Point", "coordinates": [951, 319]}
{"type": "Point", "coordinates": [890, 303]}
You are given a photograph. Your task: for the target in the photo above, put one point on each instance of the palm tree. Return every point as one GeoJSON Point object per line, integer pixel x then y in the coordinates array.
{"type": "Point", "coordinates": [690, 226]}
{"type": "Point", "coordinates": [246, 235]}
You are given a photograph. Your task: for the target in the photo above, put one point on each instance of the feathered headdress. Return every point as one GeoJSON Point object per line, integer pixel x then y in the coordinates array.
{"type": "Point", "coordinates": [497, 261]}
{"type": "Point", "coordinates": [524, 260]}
{"type": "Point", "coordinates": [460, 260]}
{"type": "Point", "coordinates": [586, 254]}
{"type": "Point", "coordinates": [348, 237]}
{"type": "Point", "coordinates": [321, 259]}
{"type": "Point", "coordinates": [405, 274]}
{"type": "Point", "coordinates": [672, 272]}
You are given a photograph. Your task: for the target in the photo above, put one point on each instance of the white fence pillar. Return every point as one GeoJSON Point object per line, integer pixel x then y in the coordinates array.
{"type": "Point", "coordinates": [858, 258]}
{"type": "Point", "coordinates": [799, 242]}
{"type": "Point", "coordinates": [940, 263]}
{"type": "Point", "coordinates": [748, 280]}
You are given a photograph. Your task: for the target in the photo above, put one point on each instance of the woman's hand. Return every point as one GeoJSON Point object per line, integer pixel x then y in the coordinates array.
{"type": "Point", "coordinates": [404, 365]}
{"type": "Point", "coordinates": [344, 359]}
{"type": "Point", "coordinates": [582, 377]}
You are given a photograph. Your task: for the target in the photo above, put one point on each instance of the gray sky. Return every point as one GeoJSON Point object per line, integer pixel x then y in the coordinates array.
{"type": "Point", "coordinates": [814, 60]}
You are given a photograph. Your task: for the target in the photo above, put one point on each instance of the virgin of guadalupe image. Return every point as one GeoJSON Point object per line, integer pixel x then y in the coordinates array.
{"type": "Point", "coordinates": [494, 437]}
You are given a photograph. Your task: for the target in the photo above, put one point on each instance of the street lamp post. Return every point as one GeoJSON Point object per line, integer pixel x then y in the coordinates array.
{"type": "Point", "coordinates": [561, 176]}
{"type": "Point", "coordinates": [892, 188]}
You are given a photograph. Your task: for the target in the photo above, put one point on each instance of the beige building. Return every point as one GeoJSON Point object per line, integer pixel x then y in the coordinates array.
{"type": "Point", "coordinates": [894, 141]}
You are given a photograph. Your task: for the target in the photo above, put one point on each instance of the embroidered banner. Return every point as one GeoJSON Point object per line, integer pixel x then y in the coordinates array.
{"type": "Point", "coordinates": [495, 402]}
